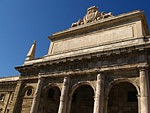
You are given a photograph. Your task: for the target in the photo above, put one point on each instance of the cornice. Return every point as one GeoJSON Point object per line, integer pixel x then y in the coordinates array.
{"type": "Point", "coordinates": [9, 79]}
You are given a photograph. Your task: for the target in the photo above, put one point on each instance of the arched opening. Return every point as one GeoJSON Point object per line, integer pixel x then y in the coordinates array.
{"type": "Point", "coordinates": [123, 99]}
{"type": "Point", "coordinates": [52, 100]}
{"type": "Point", "coordinates": [82, 100]}
{"type": "Point", "coordinates": [25, 100]}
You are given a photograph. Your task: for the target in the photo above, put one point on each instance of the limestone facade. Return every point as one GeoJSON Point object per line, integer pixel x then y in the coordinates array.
{"type": "Point", "coordinates": [99, 65]}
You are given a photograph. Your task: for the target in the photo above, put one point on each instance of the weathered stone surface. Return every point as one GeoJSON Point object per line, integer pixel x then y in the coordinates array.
{"type": "Point", "coordinates": [94, 39]}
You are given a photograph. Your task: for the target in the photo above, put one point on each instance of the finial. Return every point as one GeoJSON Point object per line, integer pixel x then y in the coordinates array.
{"type": "Point", "coordinates": [31, 53]}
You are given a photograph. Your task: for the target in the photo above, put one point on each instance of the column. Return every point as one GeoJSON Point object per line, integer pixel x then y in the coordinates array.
{"type": "Point", "coordinates": [69, 104]}
{"type": "Point", "coordinates": [14, 105]}
{"type": "Point", "coordinates": [36, 98]}
{"type": "Point", "coordinates": [144, 90]}
{"type": "Point", "coordinates": [99, 96]}
{"type": "Point", "coordinates": [139, 103]}
{"type": "Point", "coordinates": [64, 96]}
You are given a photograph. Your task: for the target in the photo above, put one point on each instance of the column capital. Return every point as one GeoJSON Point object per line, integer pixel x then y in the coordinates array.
{"type": "Point", "coordinates": [100, 76]}
{"type": "Point", "coordinates": [40, 77]}
{"type": "Point", "coordinates": [143, 67]}
{"type": "Point", "coordinates": [66, 80]}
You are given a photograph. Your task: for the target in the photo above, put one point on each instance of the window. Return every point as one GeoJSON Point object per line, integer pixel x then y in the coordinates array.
{"type": "Point", "coordinates": [2, 97]}
{"type": "Point", "coordinates": [29, 92]}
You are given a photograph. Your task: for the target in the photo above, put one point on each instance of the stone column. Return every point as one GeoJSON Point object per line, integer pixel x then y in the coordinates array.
{"type": "Point", "coordinates": [36, 98]}
{"type": "Point", "coordinates": [144, 90]}
{"type": "Point", "coordinates": [139, 103]}
{"type": "Point", "coordinates": [69, 104]}
{"type": "Point", "coordinates": [64, 96]}
{"type": "Point", "coordinates": [106, 104]}
{"type": "Point", "coordinates": [99, 96]}
{"type": "Point", "coordinates": [14, 105]}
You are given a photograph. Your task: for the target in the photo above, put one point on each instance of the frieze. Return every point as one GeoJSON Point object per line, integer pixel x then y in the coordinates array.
{"type": "Point", "coordinates": [92, 63]}
{"type": "Point", "coordinates": [7, 86]}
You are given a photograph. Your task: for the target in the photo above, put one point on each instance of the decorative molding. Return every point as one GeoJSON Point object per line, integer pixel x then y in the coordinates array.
{"type": "Point", "coordinates": [92, 15]}
{"type": "Point", "coordinates": [8, 86]}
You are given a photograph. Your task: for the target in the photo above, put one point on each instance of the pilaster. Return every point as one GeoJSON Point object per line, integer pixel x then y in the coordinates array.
{"type": "Point", "coordinates": [36, 98]}
{"type": "Point", "coordinates": [64, 97]}
{"type": "Point", "coordinates": [144, 88]}
{"type": "Point", "coordinates": [14, 105]}
{"type": "Point", "coordinates": [99, 96]}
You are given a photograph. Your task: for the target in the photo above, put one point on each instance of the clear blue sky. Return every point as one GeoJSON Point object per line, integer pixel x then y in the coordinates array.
{"type": "Point", "coordinates": [23, 21]}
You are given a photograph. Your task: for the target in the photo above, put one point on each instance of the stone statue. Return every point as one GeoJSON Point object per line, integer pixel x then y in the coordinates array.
{"type": "Point", "coordinates": [79, 22]}
{"type": "Point", "coordinates": [92, 15]}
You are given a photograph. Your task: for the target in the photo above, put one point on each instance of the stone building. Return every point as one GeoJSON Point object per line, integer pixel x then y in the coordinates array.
{"type": "Point", "coordinates": [99, 65]}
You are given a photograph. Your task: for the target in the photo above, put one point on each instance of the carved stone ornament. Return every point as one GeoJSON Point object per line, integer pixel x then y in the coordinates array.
{"type": "Point", "coordinates": [92, 15]}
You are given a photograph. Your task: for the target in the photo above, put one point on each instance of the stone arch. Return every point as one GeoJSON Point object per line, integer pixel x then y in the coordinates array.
{"type": "Point", "coordinates": [50, 85]}
{"type": "Point", "coordinates": [74, 87]}
{"type": "Point", "coordinates": [82, 98]}
{"type": "Point", "coordinates": [24, 91]}
{"type": "Point", "coordinates": [50, 99]}
{"type": "Point", "coordinates": [127, 89]}
{"type": "Point", "coordinates": [117, 81]}
{"type": "Point", "coordinates": [25, 99]}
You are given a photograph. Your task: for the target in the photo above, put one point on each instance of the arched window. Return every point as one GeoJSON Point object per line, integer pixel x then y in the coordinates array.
{"type": "Point", "coordinates": [123, 99]}
{"type": "Point", "coordinates": [51, 100]}
{"type": "Point", "coordinates": [83, 100]}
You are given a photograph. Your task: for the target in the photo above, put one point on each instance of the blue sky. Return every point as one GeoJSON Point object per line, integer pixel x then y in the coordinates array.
{"type": "Point", "coordinates": [23, 21]}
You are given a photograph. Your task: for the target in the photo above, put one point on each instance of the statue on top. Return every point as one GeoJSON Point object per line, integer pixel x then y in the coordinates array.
{"type": "Point", "coordinates": [92, 15]}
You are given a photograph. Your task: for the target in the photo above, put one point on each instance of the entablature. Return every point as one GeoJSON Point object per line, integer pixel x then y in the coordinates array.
{"type": "Point", "coordinates": [123, 70]}
{"type": "Point", "coordinates": [130, 55]}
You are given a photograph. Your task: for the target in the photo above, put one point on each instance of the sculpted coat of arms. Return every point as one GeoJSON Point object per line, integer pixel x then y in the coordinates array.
{"type": "Point", "coordinates": [92, 15]}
